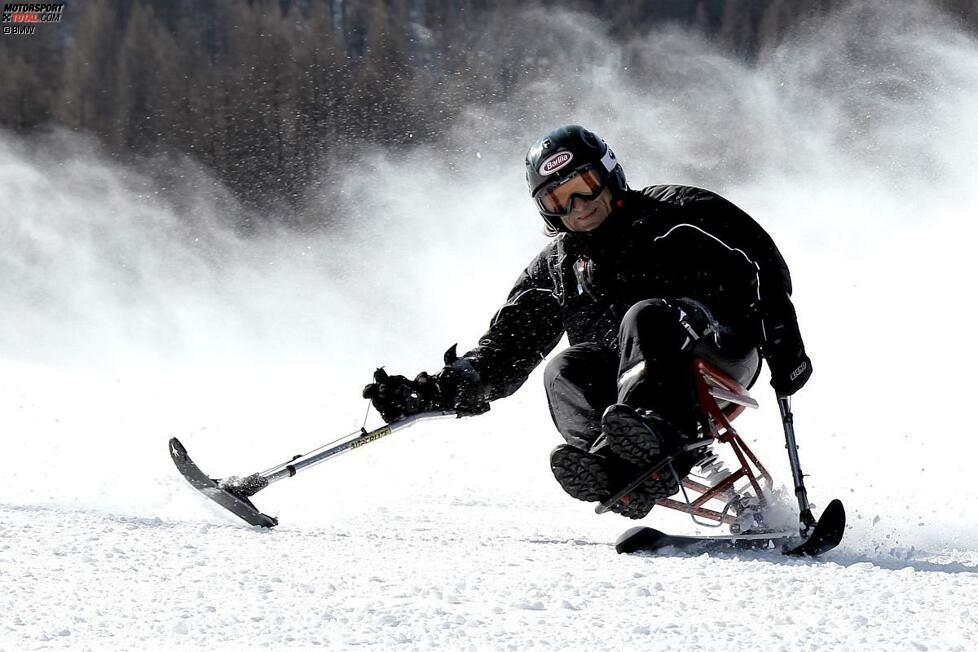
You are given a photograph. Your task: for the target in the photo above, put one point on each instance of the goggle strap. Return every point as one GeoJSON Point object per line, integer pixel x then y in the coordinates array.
{"type": "Point", "coordinates": [608, 160]}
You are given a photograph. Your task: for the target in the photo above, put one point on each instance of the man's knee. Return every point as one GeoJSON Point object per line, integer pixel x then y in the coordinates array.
{"type": "Point", "coordinates": [575, 364]}
{"type": "Point", "coordinates": [652, 317]}
{"type": "Point", "coordinates": [554, 370]}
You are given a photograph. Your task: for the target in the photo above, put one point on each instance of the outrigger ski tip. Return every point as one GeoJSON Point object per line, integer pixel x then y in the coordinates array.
{"type": "Point", "coordinates": [240, 506]}
{"type": "Point", "coordinates": [826, 535]}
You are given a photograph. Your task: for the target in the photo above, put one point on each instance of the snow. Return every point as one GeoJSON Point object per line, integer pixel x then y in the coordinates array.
{"type": "Point", "coordinates": [126, 321]}
{"type": "Point", "coordinates": [449, 577]}
{"type": "Point", "coordinates": [437, 537]}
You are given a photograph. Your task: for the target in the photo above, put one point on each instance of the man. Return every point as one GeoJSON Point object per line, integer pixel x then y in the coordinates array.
{"type": "Point", "coordinates": [641, 282]}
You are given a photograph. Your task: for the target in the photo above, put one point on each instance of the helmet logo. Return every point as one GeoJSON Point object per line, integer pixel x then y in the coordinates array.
{"type": "Point", "coordinates": [555, 162]}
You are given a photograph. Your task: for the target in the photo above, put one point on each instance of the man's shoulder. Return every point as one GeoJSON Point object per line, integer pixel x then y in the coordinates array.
{"type": "Point", "coordinates": [685, 204]}
{"type": "Point", "coordinates": [677, 195]}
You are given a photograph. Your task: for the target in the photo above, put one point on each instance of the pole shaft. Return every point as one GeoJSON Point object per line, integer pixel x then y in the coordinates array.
{"type": "Point", "coordinates": [788, 421]}
{"type": "Point", "coordinates": [351, 442]}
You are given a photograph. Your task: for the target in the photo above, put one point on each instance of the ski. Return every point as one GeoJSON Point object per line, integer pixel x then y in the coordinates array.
{"type": "Point", "coordinates": [826, 535]}
{"type": "Point", "coordinates": [238, 505]}
{"type": "Point", "coordinates": [646, 539]}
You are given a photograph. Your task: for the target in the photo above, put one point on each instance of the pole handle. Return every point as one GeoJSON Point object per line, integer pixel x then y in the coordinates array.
{"type": "Point", "coordinates": [784, 404]}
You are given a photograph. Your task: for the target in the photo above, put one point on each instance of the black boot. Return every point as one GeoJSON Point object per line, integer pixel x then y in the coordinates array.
{"type": "Point", "coordinates": [581, 474]}
{"type": "Point", "coordinates": [641, 439]}
{"type": "Point", "coordinates": [637, 438]}
{"type": "Point", "coordinates": [594, 477]}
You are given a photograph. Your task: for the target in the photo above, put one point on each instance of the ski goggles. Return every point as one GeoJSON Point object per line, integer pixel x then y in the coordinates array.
{"type": "Point", "coordinates": [558, 197]}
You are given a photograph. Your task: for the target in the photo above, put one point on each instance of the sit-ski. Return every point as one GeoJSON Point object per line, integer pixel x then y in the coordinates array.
{"type": "Point", "coordinates": [721, 400]}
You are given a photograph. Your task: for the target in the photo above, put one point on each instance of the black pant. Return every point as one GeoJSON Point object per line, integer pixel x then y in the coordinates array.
{"type": "Point", "coordinates": [657, 341]}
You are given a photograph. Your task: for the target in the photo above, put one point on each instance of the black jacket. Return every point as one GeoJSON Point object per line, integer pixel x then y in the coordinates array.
{"type": "Point", "coordinates": [663, 241]}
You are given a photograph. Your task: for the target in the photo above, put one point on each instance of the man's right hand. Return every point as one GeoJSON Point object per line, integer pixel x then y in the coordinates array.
{"type": "Point", "coordinates": [396, 396]}
{"type": "Point", "coordinates": [457, 387]}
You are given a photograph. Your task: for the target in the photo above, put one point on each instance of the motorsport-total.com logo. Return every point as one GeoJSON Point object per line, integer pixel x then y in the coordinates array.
{"type": "Point", "coordinates": [23, 17]}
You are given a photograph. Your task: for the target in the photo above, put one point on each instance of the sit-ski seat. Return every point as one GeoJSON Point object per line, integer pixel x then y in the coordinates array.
{"type": "Point", "coordinates": [721, 399]}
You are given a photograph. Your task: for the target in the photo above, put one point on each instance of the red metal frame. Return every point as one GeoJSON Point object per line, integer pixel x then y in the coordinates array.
{"type": "Point", "coordinates": [718, 420]}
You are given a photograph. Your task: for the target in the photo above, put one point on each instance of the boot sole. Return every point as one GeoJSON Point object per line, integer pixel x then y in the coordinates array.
{"type": "Point", "coordinates": [629, 437]}
{"type": "Point", "coordinates": [580, 474]}
{"type": "Point", "coordinates": [638, 506]}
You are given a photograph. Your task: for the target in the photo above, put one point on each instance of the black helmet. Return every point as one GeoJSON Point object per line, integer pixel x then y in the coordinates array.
{"type": "Point", "coordinates": [564, 153]}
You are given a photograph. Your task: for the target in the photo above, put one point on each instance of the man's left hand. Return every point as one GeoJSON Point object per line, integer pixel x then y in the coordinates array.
{"type": "Point", "coordinates": [789, 371]}
{"type": "Point", "coordinates": [785, 354]}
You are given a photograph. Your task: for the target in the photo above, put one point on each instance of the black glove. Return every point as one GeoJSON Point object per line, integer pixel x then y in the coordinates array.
{"type": "Point", "coordinates": [396, 396]}
{"type": "Point", "coordinates": [785, 354]}
{"type": "Point", "coordinates": [460, 386]}
{"type": "Point", "coordinates": [457, 387]}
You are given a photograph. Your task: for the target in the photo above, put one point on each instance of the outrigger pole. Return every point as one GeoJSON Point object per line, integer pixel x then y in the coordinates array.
{"type": "Point", "coordinates": [233, 493]}
{"type": "Point", "coordinates": [806, 519]}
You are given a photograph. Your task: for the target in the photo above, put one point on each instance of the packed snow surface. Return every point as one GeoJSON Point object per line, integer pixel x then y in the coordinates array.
{"type": "Point", "coordinates": [451, 577]}
{"type": "Point", "coordinates": [131, 315]}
